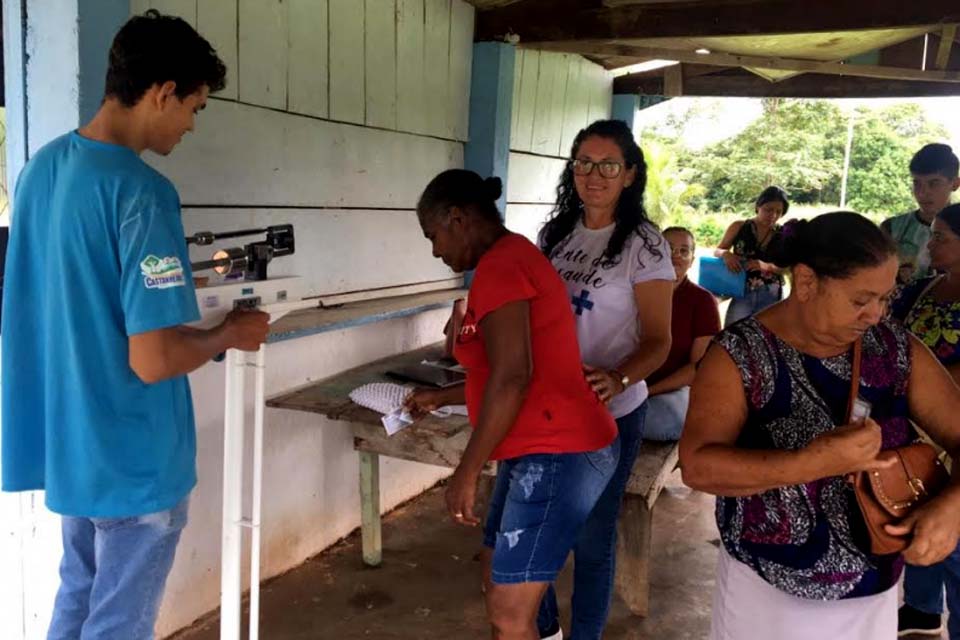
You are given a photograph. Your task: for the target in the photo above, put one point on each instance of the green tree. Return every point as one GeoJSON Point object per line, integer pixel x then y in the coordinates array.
{"type": "Point", "coordinates": [884, 141]}
{"type": "Point", "coordinates": [667, 195]}
{"type": "Point", "coordinates": [797, 144]}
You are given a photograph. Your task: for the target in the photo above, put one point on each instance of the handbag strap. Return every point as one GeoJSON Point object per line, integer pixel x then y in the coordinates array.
{"type": "Point", "coordinates": [854, 378]}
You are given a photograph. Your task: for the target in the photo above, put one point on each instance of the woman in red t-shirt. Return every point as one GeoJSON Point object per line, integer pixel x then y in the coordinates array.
{"type": "Point", "coordinates": [529, 403]}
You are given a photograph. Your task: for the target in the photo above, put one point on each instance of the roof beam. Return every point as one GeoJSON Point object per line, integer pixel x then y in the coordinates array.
{"type": "Point", "coordinates": [744, 84]}
{"type": "Point", "coordinates": [544, 20]}
{"type": "Point", "coordinates": [624, 3]}
{"type": "Point", "coordinates": [947, 36]}
{"type": "Point", "coordinates": [760, 62]}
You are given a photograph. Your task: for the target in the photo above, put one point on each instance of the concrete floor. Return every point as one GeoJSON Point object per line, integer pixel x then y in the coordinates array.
{"type": "Point", "coordinates": [428, 585]}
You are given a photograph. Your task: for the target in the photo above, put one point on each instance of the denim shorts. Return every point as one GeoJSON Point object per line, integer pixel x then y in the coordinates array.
{"type": "Point", "coordinates": [538, 507]}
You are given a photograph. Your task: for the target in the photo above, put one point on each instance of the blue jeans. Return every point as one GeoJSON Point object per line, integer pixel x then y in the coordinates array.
{"type": "Point", "coordinates": [666, 413]}
{"type": "Point", "coordinates": [596, 549]}
{"type": "Point", "coordinates": [755, 301]}
{"type": "Point", "coordinates": [923, 589]}
{"type": "Point", "coordinates": [538, 507]}
{"type": "Point", "coordinates": [113, 573]}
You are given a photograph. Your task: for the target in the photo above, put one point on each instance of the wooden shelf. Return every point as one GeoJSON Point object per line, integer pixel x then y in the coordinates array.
{"type": "Point", "coordinates": [313, 321]}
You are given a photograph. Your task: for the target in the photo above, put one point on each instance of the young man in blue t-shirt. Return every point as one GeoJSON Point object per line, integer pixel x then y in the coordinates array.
{"type": "Point", "coordinates": [936, 176]}
{"type": "Point", "coordinates": [96, 404]}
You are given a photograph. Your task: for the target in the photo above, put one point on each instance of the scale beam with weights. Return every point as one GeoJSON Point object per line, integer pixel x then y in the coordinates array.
{"type": "Point", "coordinates": [245, 285]}
{"type": "Point", "coordinates": [243, 271]}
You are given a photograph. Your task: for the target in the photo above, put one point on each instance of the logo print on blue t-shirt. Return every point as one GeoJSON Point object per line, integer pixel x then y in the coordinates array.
{"type": "Point", "coordinates": [162, 273]}
{"type": "Point", "coordinates": [581, 302]}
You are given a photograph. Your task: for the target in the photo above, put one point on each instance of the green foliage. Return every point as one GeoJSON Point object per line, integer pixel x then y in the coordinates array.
{"type": "Point", "coordinates": [708, 232]}
{"type": "Point", "coordinates": [666, 195]}
{"type": "Point", "coordinates": [883, 143]}
{"type": "Point", "coordinates": [797, 144]}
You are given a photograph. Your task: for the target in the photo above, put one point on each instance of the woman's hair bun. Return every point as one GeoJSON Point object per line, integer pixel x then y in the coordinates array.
{"type": "Point", "coordinates": [833, 245]}
{"type": "Point", "coordinates": [461, 188]}
{"type": "Point", "coordinates": [788, 247]}
{"type": "Point", "coordinates": [493, 186]}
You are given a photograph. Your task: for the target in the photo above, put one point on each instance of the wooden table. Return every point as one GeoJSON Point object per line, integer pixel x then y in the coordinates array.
{"type": "Point", "coordinates": [441, 441]}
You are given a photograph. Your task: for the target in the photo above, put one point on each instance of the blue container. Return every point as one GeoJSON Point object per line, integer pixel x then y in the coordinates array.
{"type": "Point", "coordinates": [716, 278]}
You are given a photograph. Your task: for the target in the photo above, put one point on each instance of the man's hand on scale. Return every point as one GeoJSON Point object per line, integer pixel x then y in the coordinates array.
{"type": "Point", "coordinates": [246, 329]}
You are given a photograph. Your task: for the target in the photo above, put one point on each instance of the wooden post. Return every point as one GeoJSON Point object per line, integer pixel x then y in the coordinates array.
{"type": "Point", "coordinates": [370, 508]}
{"type": "Point", "coordinates": [673, 81]}
{"type": "Point", "coordinates": [634, 535]}
{"type": "Point", "coordinates": [947, 36]}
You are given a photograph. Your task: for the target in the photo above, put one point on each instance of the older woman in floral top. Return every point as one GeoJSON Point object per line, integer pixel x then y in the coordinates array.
{"type": "Point", "coordinates": [930, 310]}
{"type": "Point", "coordinates": [765, 432]}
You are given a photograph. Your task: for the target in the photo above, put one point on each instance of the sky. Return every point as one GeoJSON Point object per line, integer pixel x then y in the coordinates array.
{"type": "Point", "coordinates": [734, 114]}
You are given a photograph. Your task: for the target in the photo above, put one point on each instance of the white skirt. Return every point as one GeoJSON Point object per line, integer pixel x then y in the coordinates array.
{"type": "Point", "coordinates": [745, 607]}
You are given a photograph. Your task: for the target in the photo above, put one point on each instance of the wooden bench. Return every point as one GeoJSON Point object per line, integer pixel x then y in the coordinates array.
{"type": "Point", "coordinates": [441, 441]}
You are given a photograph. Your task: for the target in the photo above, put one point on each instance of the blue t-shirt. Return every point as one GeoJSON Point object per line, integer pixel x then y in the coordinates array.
{"type": "Point", "coordinates": [96, 254]}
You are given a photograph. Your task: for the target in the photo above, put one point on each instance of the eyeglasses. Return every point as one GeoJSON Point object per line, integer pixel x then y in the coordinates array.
{"type": "Point", "coordinates": [683, 252]}
{"type": "Point", "coordinates": [607, 168]}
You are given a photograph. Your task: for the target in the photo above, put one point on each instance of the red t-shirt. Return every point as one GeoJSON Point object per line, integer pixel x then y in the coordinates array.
{"type": "Point", "coordinates": [695, 315]}
{"type": "Point", "coordinates": [561, 413]}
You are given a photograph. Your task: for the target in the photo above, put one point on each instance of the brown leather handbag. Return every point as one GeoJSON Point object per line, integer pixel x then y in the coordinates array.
{"type": "Point", "coordinates": [888, 495]}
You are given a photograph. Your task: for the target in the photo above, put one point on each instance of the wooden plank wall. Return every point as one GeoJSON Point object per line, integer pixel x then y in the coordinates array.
{"type": "Point", "coordinates": [336, 115]}
{"type": "Point", "coordinates": [555, 95]}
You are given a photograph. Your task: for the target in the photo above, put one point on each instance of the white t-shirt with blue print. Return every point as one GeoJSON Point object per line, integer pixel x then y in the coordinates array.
{"type": "Point", "coordinates": [604, 304]}
{"type": "Point", "coordinates": [96, 254]}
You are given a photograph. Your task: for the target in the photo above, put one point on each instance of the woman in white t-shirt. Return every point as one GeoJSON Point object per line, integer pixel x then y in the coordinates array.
{"type": "Point", "coordinates": [617, 269]}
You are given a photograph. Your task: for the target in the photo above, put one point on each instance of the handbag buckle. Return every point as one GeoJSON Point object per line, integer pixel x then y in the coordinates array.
{"type": "Point", "coordinates": [916, 485]}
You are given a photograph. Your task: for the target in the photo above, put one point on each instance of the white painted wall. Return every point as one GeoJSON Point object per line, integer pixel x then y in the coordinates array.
{"type": "Point", "coordinates": [320, 129]}
{"type": "Point", "coordinates": [336, 114]}
{"type": "Point", "coordinates": [555, 96]}
{"type": "Point", "coordinates": [310, 481]}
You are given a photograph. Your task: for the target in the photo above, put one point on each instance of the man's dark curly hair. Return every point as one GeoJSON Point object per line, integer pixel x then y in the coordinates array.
{"type": "Point", "coordinates": [153, 49]}
{"type": "Point", "coordinates": [630, 216]}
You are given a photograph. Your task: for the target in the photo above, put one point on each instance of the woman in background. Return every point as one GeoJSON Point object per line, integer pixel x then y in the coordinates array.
{"type": "Point", "coordinates": [930, 309]}
{"type": "Point", "coordinates": [744, 246]}
{"type": "Point", "coordinates": [619, 281]}
{"type": "Point", "coordinates": [694, 321]}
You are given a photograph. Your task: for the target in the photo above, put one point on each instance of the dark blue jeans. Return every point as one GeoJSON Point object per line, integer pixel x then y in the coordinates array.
{"type": "Point", "coordinates": [596, 549]}
{"type": "Point", "coordinates": [923, 589]}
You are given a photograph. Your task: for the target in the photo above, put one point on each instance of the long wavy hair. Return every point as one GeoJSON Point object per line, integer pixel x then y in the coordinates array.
{"type": "Point", "coordinates": [630, 216]}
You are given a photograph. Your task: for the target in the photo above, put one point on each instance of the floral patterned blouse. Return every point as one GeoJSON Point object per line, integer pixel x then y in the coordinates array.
{"type": "Point", "coordinates": [936, 324]}
{"type": "Point", "coordinates": [810, 540]}
{"type": "Point", "coordinates": [747, 245]}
